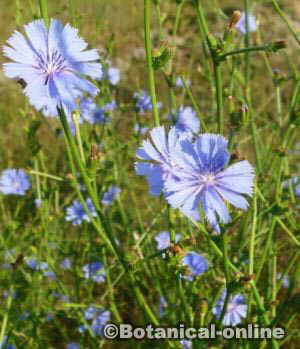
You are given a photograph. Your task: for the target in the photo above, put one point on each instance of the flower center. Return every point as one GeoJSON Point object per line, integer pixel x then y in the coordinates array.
{"type": "Point", "coordinates": [208, 179]}
{"type": "Point", "coordinates": [52, 64]}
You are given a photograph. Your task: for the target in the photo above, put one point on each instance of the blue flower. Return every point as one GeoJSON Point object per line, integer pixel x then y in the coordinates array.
{"type": "Point", "coordinates": [187, 121]}
{"type": "Point", "coordinates": [179, 82]}
{"type": "Point", "coordinates": [53, 63]}
{"type": "Point", "coordinates": [14, 181]}
{"type": "Point", "coordinates": [113, 75]}
{"type": "Point", "coordinates": [162, 305]}
{"type": "Point", "coordinates": [164, 241]}
{"type": "Point", "coordinates": [94, 271]}
{"type": "Point", "coordinates": [99, 322]}
{"type": "Point", "coordinates": [66, 264]}
{"type": "Point", "coordinates": [235, 312]}
{"type": "Point", "coordinates": [196, 264]}
{"type": "Point", "coordinates": [73, 346]}
{"type": "Point", "coordinates": [110, 106]}
{"type": "Point", "coordinates": [199, 178]}
{"type": "Point", "coordinates": [186, 344]}
{"type": "Point", "coordinates": [144, 102]}
{"type": "Point", "coordinates": [285, 281]}
{"type": "Point", "coordinates": [92, 113]}
{"type": "Point", "coordinates": [110, 195]}
{"type": "Point", "coordinates": [99, 319]}
{"type": "Point", "coordinates": [157, 156]}
{"type": "Point", "coordinates": [140, 129]}
{"type": "Point", "coordinates": [5, 345]}
{"type": "Point", "coordinates": [38, 203]}
{"type": "Point", "coordinates": [241, 25]}
{"type": "Point", "coordinates": [294, 182]}
{"type": "Point", "coordinates": [76, 213]}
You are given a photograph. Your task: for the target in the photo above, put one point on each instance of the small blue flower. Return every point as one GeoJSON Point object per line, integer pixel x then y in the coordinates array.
{"type": "Point", "coordinates": [236, 309]}
{"type": "Point", "coordinates": [285, 281]}
{"type": "Point", "coordinates": [164, 241]}
{"type": "Point", "coordinates": [156, 155]}
{"type": "Point", "coordinates": [162, 305]}
{"type": "Point", "coordinates": [53, 62]}
{"type": "Point", "coordinates": [38, 203]}
{"type": "Point", "coordinates": [186, 344]}
{"type": "Point", "coordinates": [99, 319]}
{"type": "Point", "coordinates": [110, 106]}
{"type": "Point", "coordinates": [99, 322]}
{"type": "Point", "coordinates": [73, 345]}
{"type": "Point", "coordinates": [36, 265]}
{"type": "Point", "coordinates": [14, 181]}
{"type": "Point", "coordinates": [110, 195]}
{"type": "Point", "coordinates": [66, 264]}
{"type": "Point", "coordinates": [140, 129]}
{"type": "Point", "coordinates": [294, 182]}
{"type": "Point", "coordinates": [241, 25]}
{"type": "Point", "coordinates": [179, 82]}
{"type": "Point", "coordinates": [76, 213]}
{"type": "Point", "coordinates": [94, 271]}
{"type": "Point", "coordinates": [92, 113]}
{"type": "Point", "coordinates": [196, 264]}
{"type": "Point", "coordinates": [113, 75]}
{"type": "Point", "coordinates": [187, 121]}
{"type": "Point", "coordinates": [144, 102]}
{"type": "Point", "coordinates": [50, 274]}
{"type": "Point", "coordinates": [5, 345]}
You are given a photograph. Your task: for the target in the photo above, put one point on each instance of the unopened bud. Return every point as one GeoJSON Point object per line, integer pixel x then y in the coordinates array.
{"type": "Point", "coordinates": [95, 154]}
{"type": "Point", "coordinates": [236, 16]}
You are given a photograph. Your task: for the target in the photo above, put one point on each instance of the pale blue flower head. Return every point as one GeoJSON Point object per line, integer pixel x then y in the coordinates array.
{"type": "Point", "coordinates": [200, 179]}
{"type": "Point", "coordinates": [76, 213]}
{"type": "Point", "coordinates": [235, 312]}
{"type": "Point", "coordinates": [110, 195]}
{"type": "Point", "coordinates": [187, 121]}
{"type": "Point", "coordinates": [164, 241]}
{"type": "Point", "coordinates": [113, 75]}
{"type": "Point", "coordinates": [92, 113]}
{"type": "Point", "coordinates": [294, 182]}
{"type": "Point", "coordinates": [100, 321]}
{"type": "Point", "coordinates": [140, 129]}
{"type": "Point", "coordinates": [14, 181]}
{"type": "Point", "coordinates": [144, 102]}
{"type": "Point", "coordinates": [241, 25]}
{"type": "Point", "coordinates": [157, 156]}
{"type": "Point", "coordinates": [94, 271]}
{"type": "Point", "coordinates": [179, 82]}
{"type": "Point", "coordinates": [162, 305]}
{"type": "Point", "coordinates": [73, 345]}
{"type": "Point", "coordinates": [186, 344]}
{"type": "Point", "coordinates": [66, 264]}
{"type": "Point", "coordinates": [285, 280]}
{"type": "Point", "coordinates": [53, 62]}
{"type": "Point", "coordinates": [196, 264]}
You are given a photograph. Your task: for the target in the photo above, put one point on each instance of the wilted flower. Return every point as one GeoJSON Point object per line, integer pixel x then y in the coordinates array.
{"type": "Point", "coordinates": [76, 213]}
{"type": "Point", "coordinates": [236, 309]}
{"type": "Point", "coordinates": [241, 25]}
{"type": "Point", "coordinates": [14, 181]}
{"type": "Point", "coordinates": [94, 271]}
{"type": "Point", "coordinates": [53, 62]}
{"type": "Point", "coordinates": [196, 264]}
{"type": "Point", "coordinates": [110, 195]}
{"type": "Point", "coordinates": [164, 241]}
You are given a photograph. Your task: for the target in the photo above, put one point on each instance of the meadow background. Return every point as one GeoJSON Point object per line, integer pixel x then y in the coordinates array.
{"type": "Point", "coordinates": [46, 311]}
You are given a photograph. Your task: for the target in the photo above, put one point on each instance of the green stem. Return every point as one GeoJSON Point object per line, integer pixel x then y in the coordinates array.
{"type": "Point", "coordinates": [44, 11]}
{"type": "Point", "coordinates": [219, 96]}
{"type": "Point", "coordinates": [148, 48]}
{"type": "Point", "coordinates": [245, 50]}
